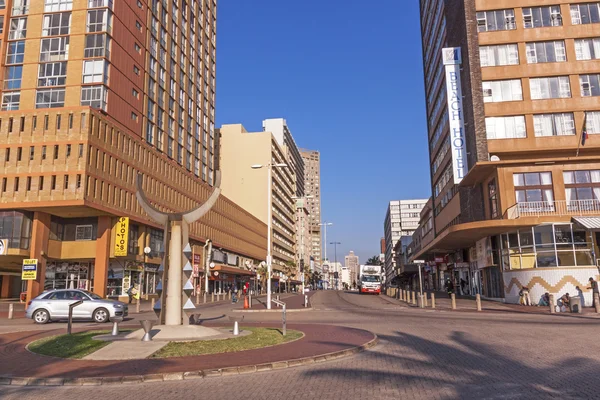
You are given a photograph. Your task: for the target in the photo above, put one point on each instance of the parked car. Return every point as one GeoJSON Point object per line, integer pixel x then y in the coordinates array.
{"type": "Point", "coordinates": [53, 305]}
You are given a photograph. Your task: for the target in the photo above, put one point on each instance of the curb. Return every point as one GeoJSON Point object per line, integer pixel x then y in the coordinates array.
{"type": "Point", "coordinates": [273, 310]}
{"type": "Point", "coordinates": [189, 375]}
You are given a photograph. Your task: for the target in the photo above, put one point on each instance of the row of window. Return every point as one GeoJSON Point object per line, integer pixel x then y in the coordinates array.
{"type": "Point", "coordinates": [539, 52]}
{"type": "Point", "coordinates": [537, 17]}
{"type": "Point", "coordinates": [552, 124]}
{"type": "Point", "coordinates": [18, 154]}
{"type": "Point", "coordinates": [41, 183]}
{"type": "Point", "coordinates": [537, 186]}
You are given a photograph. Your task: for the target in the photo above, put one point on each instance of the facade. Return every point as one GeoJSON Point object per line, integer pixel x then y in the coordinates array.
{"type": "Point", "coordinates": [312, 189]}
{"type": "Point", "coordinates": [401, 219]}
{"type": "Point", "coordinates": [352, 263]}
{"type": "Point", "coordinates": [515, 162]}
{"type": "Point", "coordinates": [248, 187]}
{"type": "Point", "coordinates": [303, 237]}
{"type": "Point", "coordinates": [96, 92]}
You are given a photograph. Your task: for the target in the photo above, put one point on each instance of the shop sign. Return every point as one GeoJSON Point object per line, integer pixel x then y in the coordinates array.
{"type": "Point", "coordinates": [196, 264]}
{"type": "Point", "coordinates": [134, 266]}
{"type": "Point", "coordinates": [3, 247]}
{"type": "Point", "coordinates": [218, 256]}
{"type": "Point", "coordinates": [29, 272]}
{"type": "Point", "coordinates": [439, 259]}
{"type": "Point", "coordinates": [121, 237]}
{"type": "Point", "coordinates": [151, 267]}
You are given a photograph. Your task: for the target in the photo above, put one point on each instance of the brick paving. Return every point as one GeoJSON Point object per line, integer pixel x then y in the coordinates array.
{"type": "Point", "coordinates": [421, 355]}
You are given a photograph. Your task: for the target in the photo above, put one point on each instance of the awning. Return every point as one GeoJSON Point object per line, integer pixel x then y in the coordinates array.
{"type": "Point", "coordinates": [591, 223]}
{"type": "Point", "coordinates": [224, 269]}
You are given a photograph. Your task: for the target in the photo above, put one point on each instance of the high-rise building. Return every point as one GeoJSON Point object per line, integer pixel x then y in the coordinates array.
{"type": "Point", "coordinates": [512, 95]}
{"type": "Point", "coordinates": [312, 189]}
{"type": "Point", "coordinates": [96, 92]}
{"type": "Point", "coordinates": [278, 127]}
{"type": "Point", "coordinates": [248, 187]}
{"type": "Point", "coordinates": [352, 262]}
{"type": "Point", "coordinates": [401, 219]}
{"type": "Point", "coordinates": [303, 239]}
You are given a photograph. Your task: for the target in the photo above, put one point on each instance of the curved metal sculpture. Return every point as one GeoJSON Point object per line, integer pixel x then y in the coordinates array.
{"type": "Point", "coordinates": [175, 283]}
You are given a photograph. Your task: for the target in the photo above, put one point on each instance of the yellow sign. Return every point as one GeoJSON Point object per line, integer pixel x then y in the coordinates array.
{"type": "Point", "coordinates": [29, 272]}
{"type": "Point", "coordinates": [121, 237]}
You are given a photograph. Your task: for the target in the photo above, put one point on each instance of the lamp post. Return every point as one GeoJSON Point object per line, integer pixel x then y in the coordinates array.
{"type": "Point", "coordinates": [269, 222]}
{"type": "Point", "coordinates": [335, 259]}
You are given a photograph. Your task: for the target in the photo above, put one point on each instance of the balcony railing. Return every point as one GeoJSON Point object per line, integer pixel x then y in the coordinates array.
{"type": "Point", "coordinates": [553, 208]}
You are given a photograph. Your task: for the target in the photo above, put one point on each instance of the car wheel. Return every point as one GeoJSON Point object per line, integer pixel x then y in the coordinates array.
{"type": "Point", "coordinates": [101, 315]}
{"type": "Point", "coordinates": [41, 316]}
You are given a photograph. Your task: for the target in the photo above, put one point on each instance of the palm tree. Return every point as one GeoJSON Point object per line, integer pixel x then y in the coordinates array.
{"type": "Point", "coordinates": [290, 271]}
{"type": "Point", "coordinates": [262, 271]}
{"type": "Point", "coordinates": [375, 260]}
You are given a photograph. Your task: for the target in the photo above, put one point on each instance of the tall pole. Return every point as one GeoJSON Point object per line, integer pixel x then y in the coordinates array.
{"type": "Point", "coordinates": [269, 229]}
{"type": "Point", "coordinates": [335, 258]}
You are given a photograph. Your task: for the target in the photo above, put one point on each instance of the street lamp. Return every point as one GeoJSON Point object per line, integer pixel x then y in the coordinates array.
{"type": "Point", "coordinates": [335, 260]}
{"type": "Point", "coordinates": [269, 167]}
{"type": "Point", "coordinates": [325, 225]}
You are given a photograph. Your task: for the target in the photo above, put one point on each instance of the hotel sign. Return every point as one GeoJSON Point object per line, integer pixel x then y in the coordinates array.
{"type": "Point", "coordinates": [452, 61]}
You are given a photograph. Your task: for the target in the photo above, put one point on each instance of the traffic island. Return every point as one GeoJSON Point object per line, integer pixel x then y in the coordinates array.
{"type": "Point", "coordinates": [318, 343]}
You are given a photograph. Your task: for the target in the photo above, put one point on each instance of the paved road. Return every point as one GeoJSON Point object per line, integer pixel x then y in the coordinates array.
{"type": "Point", "coordinates": [422, 354]}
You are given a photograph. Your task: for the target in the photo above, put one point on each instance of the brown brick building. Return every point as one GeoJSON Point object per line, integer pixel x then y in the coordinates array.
{"type": "Point", "coordinates": [523, 214]}
{"type": "Point", "coordinates": [96, 92]}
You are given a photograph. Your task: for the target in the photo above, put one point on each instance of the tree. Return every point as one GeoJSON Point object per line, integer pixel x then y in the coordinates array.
{"type": "Point", "coordinates": [375, 260]}
{"type": "Point", "coordinates": [262, 271]}
{"type": "Point", "coordinates": [290, 272]}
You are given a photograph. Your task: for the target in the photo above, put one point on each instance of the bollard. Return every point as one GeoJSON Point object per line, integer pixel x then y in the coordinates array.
{"type": "Point", "coordinates": [420, 302]}
{"type": "Point", "coordinates": [413, 298]}
{"type": "Point", "coordinates": [398, 294]}
{"type": "Point", "coordinates": [406, 299]}
{"type": "Point", "coordinates": [229, 295]}
{"type": "Point", "coordinates": [152, 303]}
{"type": "Point", "coordinates": [597, 302]}
{"type": "Point", "coordinates": [551, 304]}
{"type": "Point", "coordinates": [453, 300]}
{"type": "Point", "coordinates": [478, 301]}
{"type": "Point", "coordinates": [432, 300]}
{"type": "Point", "coordinates": [197, 297]}
{"type": "Point", "coordinates": [425, 299]}
{"type": "Point", "coordinates": [147, 327]}
{"type": "Point", "coordinates": [137, 306]}
{"type": "Point", "coordinates": [204, 297]}
{"type": "Point", "coordinates": [10, 311]}
{"type": "Point", "coordinates": [212, 297]}
{"type": "Point", "coordinates": [305, 300]}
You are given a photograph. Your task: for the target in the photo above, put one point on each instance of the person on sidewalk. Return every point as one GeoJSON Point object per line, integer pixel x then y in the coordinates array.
{"type": "Point", "coordinates": [544, 300]}
{"type": "Point", "coordinates": [234, 298]}
{"type": "Point", "coordinates": [564, 303]}
{"type": "Point", "coordinates": [594, 287]}
{"type": "Point", "coordinates": [525, 298]}
{"type": "Point", "coordinates": [450, 287]}
{"type": "Point", "coordinates": [580, 295]}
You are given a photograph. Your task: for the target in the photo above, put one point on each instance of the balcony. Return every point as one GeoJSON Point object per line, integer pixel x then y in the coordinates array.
{"type": "Point", "coordinates": [553, 208]}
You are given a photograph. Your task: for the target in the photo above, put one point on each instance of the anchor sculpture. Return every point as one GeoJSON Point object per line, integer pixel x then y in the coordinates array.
{"type": "Point", "coordinates": [175, 286]}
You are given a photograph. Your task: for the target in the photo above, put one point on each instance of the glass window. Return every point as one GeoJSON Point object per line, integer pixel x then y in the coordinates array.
{"type": "Point", "coordinates": [56, 24]}
{"type": "Point", "coordinates": [550, 88]}
{"type": "Point", "coordinates": [13, 77]}
{"type": "Point", "coordinates": [50, 98]}
{"type": "Point", "coordinates": [58, 5]}
{"type": "Point", "coordinates": [534, 187]}
{"type": "Point", "coordinates": [498, 91]}
{"type": "Point", "coordinates": [16, 52]}
{"type": "Point", "coordinates": [99, 20]}
{"type": "Point", "coordinates": [18, 28]}
{"type": "Point", "coordinates": [543, 52]}
{"type": "Point", "coordinates": [587, 49]}
{"type": "Point", "coordinates": [94, 96]}
{"type": "Point", "coordinates": [83, 232]}
{"type": "Point", "coordinates": [54, 49]}
{"type": "Point", "coordinates": [97, 45]}
{"type": "Point", "coordinates": [590, 85]}
{"type": "Point", "coordinates": [95, 71]}
{"type": "Point", "coordinates": [10, 101]}
{"type": "Point", "coordinates": [537, 17]}
{"type": "Point", "coordinates": [19, 7]}
{"type": "Point", "coordinates": [585, 13]}
{"type": "Point", "coordinates": [559, 124]}
{"type": "Point", "coordinates": [52, 74]}
{"type": "Point", "coordinates": [582, 190]}
{"type": "Point", "coordinates": [505, 127]}
{"type": "Point", "coordinates": [497, 20]}
{"type": "Point", "coordinates": [503, 54]}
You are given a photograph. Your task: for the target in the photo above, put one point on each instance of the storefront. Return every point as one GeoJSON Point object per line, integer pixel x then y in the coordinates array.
{"type": "Point", "coordinates": [69, 275]}
{"type": "Point", "coordinates": [224, 278]}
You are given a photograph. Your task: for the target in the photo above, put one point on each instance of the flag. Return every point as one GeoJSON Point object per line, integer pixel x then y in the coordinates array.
{"type": "Point", "coordinates": [584, 133]}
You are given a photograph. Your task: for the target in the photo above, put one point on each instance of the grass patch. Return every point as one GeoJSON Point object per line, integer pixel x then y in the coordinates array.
{"type": "Point", "coordinates": [77, 345]}
{"type": "Point", "coordinates": [260, 337]}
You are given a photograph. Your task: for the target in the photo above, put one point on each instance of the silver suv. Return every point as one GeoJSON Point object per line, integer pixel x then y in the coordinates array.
{"type": "Point", "coordinates": [54, 305]}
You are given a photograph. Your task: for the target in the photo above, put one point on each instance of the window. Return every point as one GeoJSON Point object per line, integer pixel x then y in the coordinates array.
{"type": "Point", "coordinates": [10, 101]}
{"type": "Point", "coordinates": [137, 47]}
{"type": "Point", "coordinates": [590, 85]}
{"type": "Point", "coordinates": [499, 20]}
{"type": "Point", "coordinates": [95, 71]}
{"type": "Point", "coordinates": [16, 52]}
{"type": "Point", "coordinates": [100, 3]}
{"type": "Point", "coordinates": [52, 74]}
{"type": "Point", "coordinates": [138, 25]}
{"type": "Point", "coordinates": [54, 49]}
{"type": "Point", "coordinates": [18, 28]}
{"type": "Point", "coordinates": [31, 153]}
{"type": "Point", "coordinates": [537, 17]}
{"type": "Point", "coordinates": [135, 93]}
{"type": "Point", "coordinates": [83, 232]}
{"type": "Point", "coordinates": [13, 77]}
{"type": "Point", "coordinates": [99, 21]}
{"type": "Point", "coordinates": [19, 7]}
{"type": "Point", "coordinates": [503, 54]}
{"type": "Point", "coordinates": [586, 13]}
{"type": "Point", "coordinates": [132, 245]}
{"type": "Point", "coordinates": [94, 96]}
{"type": "Point", "coordinates": [559, 124]}
{"type": "Point", "coordinates": [543, 52]}
{"type": "Point", "coordinates": [498, 91]}
{"type": "Point", "coordinates": [534, 187]}
{"type": "Point", "coordinates": [587, 49]}
{"type": "Point", "coordinates": [582, 189]}
{"type": "Point", "coordinates": [550, 88]}
{"type": "Point", "coordinates": [50, 98]}
{"type": "Point", "coordinates": [136, 70]}
{"type": "Point", "coordinates": [505, 127]}
{"type": "Point", "coordinates": [97, 45]}
{"type": "Point", "coordinates": [66, 181]}
{"type": "Point", "coordinates": [58, 5]}
{"type": "Point", "coordinates": [134, 116]}
{"type": "Point", "coordinates": [592, 122]}
{"type": "Point", "coordinates": [56, 24]}
{"type": "Point", "coordinates": [53, 182]}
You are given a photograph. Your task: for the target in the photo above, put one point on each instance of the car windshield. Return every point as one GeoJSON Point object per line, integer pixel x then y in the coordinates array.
{"type": "Point", "coordinates": [370, 278]}
{"type": "Point", "coordinates": [94, 296]}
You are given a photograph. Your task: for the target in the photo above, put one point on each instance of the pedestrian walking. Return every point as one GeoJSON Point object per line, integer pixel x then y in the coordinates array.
{"type": "Point", "coordinates": [450, 288]}
{"type": "Point", "coordinates": [594, 287]}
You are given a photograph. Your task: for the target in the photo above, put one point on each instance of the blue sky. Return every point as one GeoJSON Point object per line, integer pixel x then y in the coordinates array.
{"type": "Point", "coordinates": [347, 76]}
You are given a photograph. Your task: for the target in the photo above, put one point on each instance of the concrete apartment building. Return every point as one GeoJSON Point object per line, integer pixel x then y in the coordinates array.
{"type": "Point", "coordinates": [312, 188]}
{"type": "Point", "coordinates": [401, 219]}
{"type": "Point", "coordinates": [352, 263]}
{"type": "Point", "coordinates": [303, 238]}
{"type": "Point", "coordinates": [96, 92]}
{"type": "Point", "coordinates": [510, 88]}
{"type": "Point", "coordinates": [248, 187]}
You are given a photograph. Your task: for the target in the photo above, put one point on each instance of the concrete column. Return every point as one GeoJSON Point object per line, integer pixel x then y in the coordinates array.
{"type": "Point", "coordinates": [425, 299]}
{"type": "Point", "coordinates": [453, 300]}
{"type": "Point", "coordinates": [102, 255]}
{"type": "Point", "coordinates": [38, 248]}
{"type": "Point", "coordinates": [174, 289]}
{"type": "Point", "coordinates": [432, 300]}
{"type": "Point", "coordinates": [478, 301]}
